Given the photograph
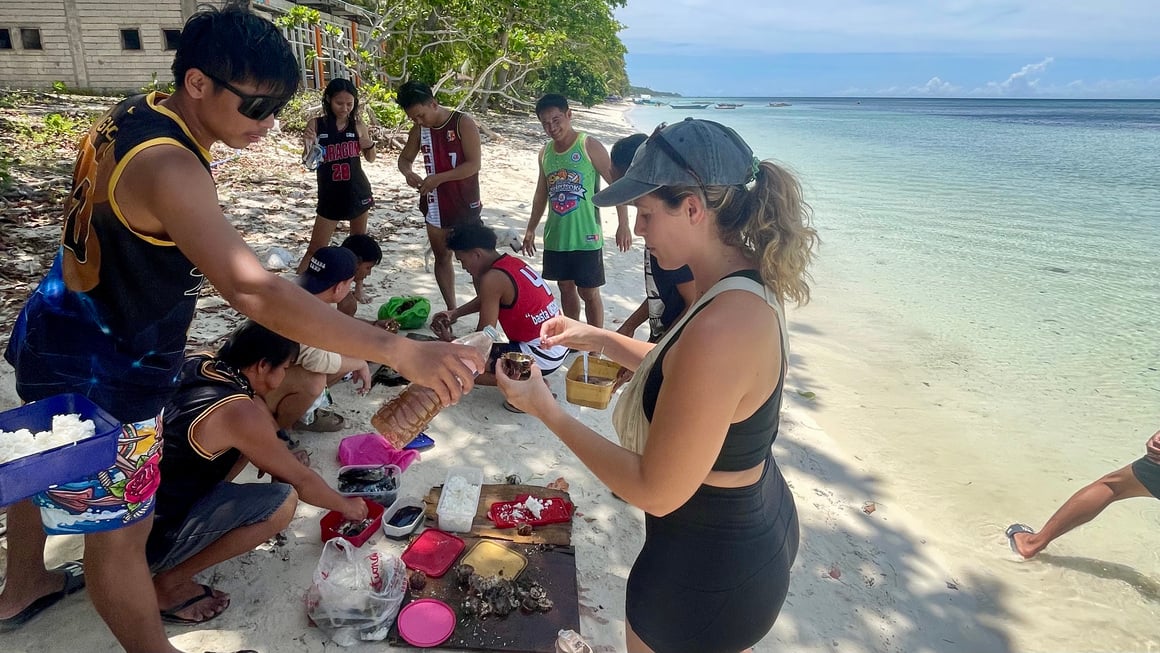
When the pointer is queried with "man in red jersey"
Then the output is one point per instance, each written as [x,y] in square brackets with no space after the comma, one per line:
[510,292]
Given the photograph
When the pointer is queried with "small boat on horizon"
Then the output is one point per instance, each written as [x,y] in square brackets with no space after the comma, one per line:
[780,104]
[728,105]
[689,105]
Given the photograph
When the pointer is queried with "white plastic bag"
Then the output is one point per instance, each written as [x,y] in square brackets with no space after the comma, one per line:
[356,592]
[278,258]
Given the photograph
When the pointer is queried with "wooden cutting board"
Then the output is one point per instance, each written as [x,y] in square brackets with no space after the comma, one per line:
[551,562]
[558,534]
[553,566]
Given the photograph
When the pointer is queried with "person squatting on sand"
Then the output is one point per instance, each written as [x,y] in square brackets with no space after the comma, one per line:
[721,529]
[571,165]
[511,294]
[216,424]
[142,230]
[369,254]
[300,401]
[344,193]
[1140,479]
[449,193]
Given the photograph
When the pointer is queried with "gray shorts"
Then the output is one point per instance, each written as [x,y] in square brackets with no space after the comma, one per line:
[1148,473]
[227,507]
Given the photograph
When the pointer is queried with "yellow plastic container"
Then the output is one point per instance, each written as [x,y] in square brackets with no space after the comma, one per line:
[494,559]
[596,392]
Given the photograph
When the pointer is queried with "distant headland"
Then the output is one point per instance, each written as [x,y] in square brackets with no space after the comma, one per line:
[644,90]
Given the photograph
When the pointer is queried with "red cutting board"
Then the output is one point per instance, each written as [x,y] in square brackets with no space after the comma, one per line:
[508,514]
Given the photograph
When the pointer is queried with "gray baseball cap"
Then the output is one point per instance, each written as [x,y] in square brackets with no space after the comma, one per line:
[687,153]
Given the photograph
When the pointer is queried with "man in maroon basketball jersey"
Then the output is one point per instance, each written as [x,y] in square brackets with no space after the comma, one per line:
[449,192]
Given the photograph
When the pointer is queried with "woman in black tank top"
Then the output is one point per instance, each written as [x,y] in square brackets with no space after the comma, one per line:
[344,193]
[697,421]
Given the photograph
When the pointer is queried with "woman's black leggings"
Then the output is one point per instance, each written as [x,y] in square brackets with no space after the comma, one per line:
[713,574]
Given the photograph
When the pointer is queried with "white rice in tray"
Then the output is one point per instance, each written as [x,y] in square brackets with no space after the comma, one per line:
[459,496]
[66,429]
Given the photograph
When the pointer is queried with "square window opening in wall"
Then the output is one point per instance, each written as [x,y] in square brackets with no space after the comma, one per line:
[131,39]
[5,39]
[30,38]
[172,38]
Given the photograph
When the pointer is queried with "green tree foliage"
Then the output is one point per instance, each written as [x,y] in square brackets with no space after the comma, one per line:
[573,78]
[481,53]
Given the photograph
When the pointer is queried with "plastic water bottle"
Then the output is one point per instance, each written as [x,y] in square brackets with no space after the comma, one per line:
[315,157]
[403,418]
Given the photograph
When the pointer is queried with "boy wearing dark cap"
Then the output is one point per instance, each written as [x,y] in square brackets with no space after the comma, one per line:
[299,401]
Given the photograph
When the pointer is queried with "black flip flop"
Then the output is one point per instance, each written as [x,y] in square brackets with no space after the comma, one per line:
[171,616]
[74,581]
[1015,529]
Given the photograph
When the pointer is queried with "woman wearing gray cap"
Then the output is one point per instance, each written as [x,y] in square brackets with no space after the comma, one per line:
[698,419]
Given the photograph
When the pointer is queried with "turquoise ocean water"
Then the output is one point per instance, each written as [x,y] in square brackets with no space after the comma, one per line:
[986,324]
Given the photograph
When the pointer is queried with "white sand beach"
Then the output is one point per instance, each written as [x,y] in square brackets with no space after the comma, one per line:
[868,577]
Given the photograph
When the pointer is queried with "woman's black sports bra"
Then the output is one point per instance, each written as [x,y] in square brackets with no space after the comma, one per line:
[747,442]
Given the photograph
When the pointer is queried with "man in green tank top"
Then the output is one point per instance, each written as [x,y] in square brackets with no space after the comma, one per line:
[570,167]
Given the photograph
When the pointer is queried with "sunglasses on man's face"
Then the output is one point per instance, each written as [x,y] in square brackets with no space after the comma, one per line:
[254,107]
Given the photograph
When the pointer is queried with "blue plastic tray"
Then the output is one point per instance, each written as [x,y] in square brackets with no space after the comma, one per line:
[421,441]
[24,477]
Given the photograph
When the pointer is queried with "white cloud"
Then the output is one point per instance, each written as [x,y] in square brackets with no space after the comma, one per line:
[934,87]
[1026,83]
[1066,27]
[937,87]
[1022,83]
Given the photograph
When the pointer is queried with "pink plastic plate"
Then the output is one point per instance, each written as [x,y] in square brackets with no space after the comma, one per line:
[426,622]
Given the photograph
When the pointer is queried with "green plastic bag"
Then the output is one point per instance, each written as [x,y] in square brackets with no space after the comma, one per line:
[409,311]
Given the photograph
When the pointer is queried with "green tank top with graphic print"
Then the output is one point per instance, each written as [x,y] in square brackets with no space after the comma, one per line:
[573,220]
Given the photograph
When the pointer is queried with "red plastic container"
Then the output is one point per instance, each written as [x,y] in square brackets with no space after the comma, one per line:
[333,519]
[433,552]
[24,477]
[507,514]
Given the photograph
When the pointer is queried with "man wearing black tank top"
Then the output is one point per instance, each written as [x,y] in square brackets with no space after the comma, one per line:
[142,229]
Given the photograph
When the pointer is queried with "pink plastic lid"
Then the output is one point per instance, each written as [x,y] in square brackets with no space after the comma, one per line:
[426,622]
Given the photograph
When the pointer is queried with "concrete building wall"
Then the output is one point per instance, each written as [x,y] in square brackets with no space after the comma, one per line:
[23,67]
[82,43]
[108,64]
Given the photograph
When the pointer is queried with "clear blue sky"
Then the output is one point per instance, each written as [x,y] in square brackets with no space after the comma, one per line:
[919,48]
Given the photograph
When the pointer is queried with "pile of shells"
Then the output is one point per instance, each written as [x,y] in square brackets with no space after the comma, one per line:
[487,595]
